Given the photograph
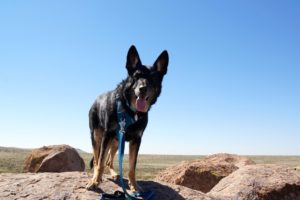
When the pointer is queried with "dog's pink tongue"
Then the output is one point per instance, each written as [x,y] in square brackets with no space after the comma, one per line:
[141,104]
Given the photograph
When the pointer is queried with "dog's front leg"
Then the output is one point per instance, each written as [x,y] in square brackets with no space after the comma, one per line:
[110,159]
[134,146]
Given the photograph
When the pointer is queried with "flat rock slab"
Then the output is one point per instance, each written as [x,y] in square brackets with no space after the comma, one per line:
[260,182]
[71,185]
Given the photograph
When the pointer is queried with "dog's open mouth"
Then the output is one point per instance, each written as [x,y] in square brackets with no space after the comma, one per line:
[141,104]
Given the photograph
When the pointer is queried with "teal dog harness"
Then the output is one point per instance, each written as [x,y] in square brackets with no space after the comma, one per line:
[124,121]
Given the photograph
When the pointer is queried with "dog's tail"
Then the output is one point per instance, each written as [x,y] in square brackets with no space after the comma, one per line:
[92,163]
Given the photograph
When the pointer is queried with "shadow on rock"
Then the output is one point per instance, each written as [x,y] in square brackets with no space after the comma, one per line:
[160,190]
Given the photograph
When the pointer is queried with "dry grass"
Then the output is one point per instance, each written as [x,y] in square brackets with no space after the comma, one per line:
[11,160]
[148,165]
[292,161]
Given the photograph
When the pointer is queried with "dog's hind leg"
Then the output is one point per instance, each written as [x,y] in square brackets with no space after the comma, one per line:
[99,168]
[110,159]
[97,135]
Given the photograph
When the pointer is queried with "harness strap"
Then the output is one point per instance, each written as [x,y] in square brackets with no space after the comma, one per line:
[121,147]
[124,120]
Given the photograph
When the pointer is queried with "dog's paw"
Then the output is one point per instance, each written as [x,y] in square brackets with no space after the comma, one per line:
[92,185]
[116,177]
[135,188]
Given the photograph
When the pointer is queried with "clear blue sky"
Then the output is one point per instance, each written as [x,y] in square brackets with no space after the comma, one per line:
[233,83]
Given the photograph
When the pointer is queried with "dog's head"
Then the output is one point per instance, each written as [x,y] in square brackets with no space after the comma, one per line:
[143,85]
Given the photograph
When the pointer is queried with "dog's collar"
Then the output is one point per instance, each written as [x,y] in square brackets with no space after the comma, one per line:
[131,108]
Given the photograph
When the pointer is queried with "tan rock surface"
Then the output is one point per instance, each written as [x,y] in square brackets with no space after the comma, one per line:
[203,174]
[56,158]
[71,185]
[260,182]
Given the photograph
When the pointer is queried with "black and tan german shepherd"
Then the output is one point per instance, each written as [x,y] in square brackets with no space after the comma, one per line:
[137,93]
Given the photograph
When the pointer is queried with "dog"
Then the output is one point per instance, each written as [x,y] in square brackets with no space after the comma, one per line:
[137,93]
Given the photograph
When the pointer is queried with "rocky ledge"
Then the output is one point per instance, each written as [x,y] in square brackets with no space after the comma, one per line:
[203,174]
[217,177]
[252,182]
[266,182]
[71,185]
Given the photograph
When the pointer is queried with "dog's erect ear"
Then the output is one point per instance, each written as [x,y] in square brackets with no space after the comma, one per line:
[161,64]
[133,60]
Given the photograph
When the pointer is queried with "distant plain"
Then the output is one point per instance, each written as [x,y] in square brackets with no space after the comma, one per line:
[11,161]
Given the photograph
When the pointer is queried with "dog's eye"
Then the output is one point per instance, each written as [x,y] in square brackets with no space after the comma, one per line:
[135,76]
[155,77]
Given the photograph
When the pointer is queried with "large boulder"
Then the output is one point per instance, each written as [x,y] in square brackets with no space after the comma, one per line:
[71,185]
[260,182]
[203,174]
[56,158]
